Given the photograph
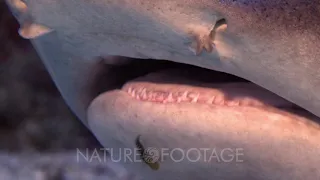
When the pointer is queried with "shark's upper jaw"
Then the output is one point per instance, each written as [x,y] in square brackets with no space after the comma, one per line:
[271,43]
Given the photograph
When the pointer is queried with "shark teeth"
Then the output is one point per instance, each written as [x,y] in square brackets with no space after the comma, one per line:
[194,97]
[144,94]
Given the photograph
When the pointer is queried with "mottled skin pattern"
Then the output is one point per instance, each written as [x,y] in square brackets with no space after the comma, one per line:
[274,44]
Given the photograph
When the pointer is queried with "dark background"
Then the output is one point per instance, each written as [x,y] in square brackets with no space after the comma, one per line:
[33,116]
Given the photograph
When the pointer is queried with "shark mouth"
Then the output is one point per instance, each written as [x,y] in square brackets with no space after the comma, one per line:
[177,105]
[167,82]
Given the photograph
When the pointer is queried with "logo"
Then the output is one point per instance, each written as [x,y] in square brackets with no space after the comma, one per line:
[151,155]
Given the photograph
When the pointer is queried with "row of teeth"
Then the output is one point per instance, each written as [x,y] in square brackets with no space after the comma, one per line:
[185,96]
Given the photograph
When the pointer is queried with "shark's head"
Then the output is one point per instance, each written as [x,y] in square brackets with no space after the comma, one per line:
[183,74]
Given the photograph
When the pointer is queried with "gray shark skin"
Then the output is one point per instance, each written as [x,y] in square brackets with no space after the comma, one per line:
[274,44]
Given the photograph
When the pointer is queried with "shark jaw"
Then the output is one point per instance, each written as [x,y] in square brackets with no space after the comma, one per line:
[181,106]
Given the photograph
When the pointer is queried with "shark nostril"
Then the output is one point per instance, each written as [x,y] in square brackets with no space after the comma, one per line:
[220,25]
[204,39]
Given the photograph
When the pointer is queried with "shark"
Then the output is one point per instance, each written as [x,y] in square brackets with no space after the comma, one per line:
[210,89]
